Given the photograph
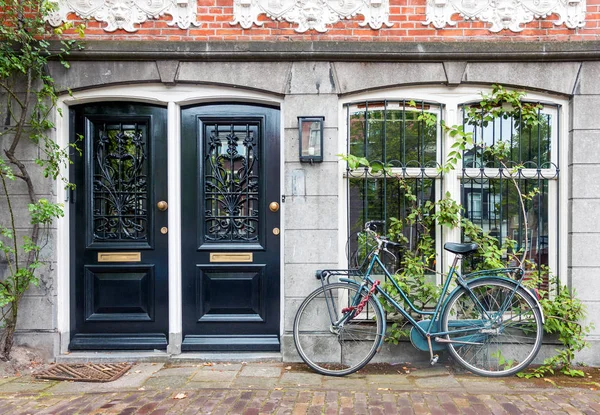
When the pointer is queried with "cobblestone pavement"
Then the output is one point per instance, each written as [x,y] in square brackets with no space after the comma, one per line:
[274,388]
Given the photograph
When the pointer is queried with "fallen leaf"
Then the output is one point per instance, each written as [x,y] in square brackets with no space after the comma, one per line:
[138,371]
[180,396]
[207,364]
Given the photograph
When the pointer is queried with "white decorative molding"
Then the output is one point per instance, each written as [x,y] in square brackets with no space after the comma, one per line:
[312,14]
[125,14]
[506,14]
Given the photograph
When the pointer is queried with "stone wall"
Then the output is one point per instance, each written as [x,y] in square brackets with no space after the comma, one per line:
[309,86]
[36,324]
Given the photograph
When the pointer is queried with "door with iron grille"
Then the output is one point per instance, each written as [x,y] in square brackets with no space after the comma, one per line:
[118,253]
[230,227]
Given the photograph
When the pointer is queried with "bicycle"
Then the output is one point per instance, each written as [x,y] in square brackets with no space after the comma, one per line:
[490,323]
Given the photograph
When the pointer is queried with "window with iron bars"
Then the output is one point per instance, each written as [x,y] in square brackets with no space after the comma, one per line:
[388,132]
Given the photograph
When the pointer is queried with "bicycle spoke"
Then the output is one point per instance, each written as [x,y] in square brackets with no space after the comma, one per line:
[509,339]
[335,349]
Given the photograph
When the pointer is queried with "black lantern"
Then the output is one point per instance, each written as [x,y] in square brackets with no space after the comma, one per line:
[310,132]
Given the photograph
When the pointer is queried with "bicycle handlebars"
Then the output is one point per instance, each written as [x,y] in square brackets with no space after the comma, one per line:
[371,227]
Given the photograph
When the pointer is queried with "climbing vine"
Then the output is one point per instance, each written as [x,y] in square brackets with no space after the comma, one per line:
[27,108]
[564,312]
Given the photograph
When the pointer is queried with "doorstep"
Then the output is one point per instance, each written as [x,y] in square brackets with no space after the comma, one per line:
[159,356]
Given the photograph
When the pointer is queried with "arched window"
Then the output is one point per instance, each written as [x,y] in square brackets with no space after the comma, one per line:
[392,132]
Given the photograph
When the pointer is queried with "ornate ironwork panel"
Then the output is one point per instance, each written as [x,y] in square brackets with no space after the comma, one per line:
[231,182]
[119,183]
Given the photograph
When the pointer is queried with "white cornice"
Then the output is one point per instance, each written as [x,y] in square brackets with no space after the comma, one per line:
[126,14]
[311,14]
[505,14]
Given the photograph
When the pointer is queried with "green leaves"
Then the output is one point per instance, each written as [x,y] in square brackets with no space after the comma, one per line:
[43,212]
[355,162]
[29,108]
[564,316]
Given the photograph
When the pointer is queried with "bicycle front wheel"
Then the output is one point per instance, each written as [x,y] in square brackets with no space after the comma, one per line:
[495,331]
[332,340]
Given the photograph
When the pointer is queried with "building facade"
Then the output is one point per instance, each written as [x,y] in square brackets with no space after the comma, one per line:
[194,225]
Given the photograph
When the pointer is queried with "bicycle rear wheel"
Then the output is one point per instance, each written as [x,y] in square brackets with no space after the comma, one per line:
[495,332]
[331,341]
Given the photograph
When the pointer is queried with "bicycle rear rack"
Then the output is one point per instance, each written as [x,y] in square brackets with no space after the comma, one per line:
[325,274]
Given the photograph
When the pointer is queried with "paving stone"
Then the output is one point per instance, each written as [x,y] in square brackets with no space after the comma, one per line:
[164,382]
[481,385]
[207,385]
[261,371]
[438,382]
[214,376]
[224,366]
[20,387]
[255,382]
[6,380]
[388,381]
[185,371]
[434,392]
[300,379]
[429,371]
[345,383]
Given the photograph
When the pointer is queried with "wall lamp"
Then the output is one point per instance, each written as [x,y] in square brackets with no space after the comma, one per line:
[310,133]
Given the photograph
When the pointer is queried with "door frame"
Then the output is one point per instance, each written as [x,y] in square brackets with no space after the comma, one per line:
[173,98]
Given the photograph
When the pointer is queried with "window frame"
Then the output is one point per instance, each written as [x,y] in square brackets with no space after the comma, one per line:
[450,101]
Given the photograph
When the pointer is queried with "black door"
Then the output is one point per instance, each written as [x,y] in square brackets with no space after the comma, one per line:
[230,227]
[118,252]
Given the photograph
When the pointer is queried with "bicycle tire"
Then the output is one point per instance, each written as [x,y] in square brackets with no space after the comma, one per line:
[501,346]
[337,350]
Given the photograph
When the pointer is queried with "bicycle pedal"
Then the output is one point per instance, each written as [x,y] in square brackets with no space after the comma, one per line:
[434,360]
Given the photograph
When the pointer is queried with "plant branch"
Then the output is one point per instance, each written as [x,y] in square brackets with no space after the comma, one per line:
[12,221]
[12,94]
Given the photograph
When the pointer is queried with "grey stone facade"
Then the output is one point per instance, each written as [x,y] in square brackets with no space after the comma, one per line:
[311,79]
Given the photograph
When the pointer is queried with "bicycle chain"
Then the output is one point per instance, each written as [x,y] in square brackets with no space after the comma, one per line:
[363,302]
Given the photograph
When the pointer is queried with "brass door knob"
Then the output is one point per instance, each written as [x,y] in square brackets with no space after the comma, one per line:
[274,206]
[162,205]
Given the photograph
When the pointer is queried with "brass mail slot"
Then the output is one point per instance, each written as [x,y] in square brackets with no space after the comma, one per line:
[119,256]
[231,257]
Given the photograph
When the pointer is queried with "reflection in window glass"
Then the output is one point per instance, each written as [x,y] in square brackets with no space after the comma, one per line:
[489,197]
[390,132]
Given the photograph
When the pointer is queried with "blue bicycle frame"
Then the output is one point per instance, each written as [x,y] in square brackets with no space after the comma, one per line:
[437,312]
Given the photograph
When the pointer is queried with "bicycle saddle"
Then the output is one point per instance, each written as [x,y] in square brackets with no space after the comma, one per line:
[462,249]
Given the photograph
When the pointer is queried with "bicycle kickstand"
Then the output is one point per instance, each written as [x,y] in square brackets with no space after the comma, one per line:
[434,358]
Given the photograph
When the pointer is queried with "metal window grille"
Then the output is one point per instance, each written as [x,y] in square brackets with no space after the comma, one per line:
[489,197]
[388,132]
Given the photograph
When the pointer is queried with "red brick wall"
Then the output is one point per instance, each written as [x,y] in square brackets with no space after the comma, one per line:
[407,17]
